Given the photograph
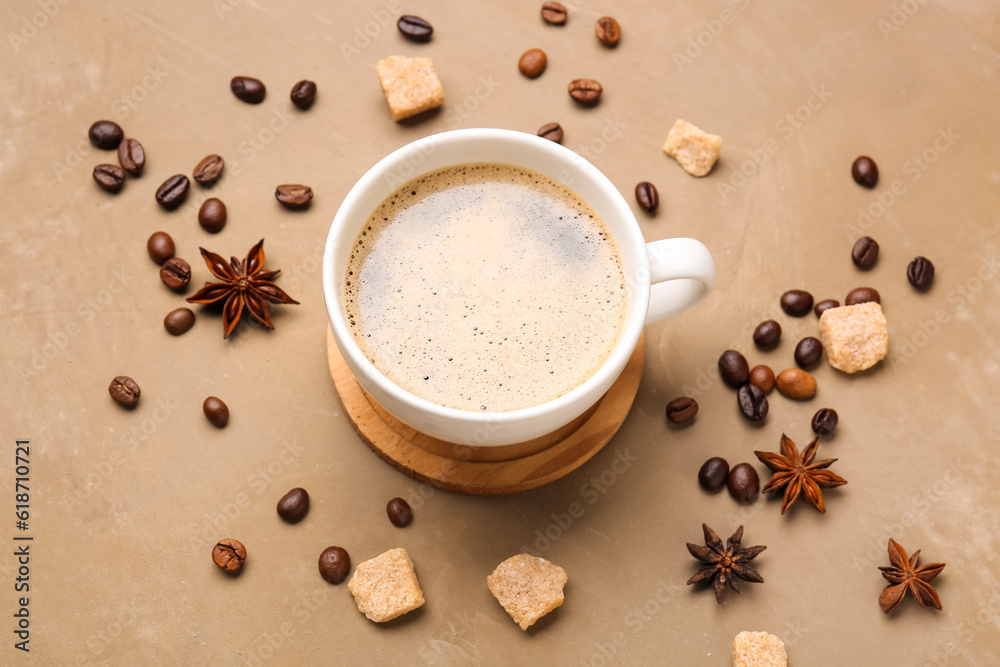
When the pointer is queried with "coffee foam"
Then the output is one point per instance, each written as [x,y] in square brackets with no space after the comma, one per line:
[485,287]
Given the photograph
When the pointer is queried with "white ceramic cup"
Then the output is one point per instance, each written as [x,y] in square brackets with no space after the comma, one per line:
[664,278]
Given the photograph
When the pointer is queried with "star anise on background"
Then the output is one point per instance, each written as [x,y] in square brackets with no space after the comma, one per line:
[904,575]
[724,564]
[245,285]
[798,474]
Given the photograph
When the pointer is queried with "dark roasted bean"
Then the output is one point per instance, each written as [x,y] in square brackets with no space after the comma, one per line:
[106,134]
[862,295]
[713,474]
[796,302]
[303,94]
[124,390]
[825,304]
[399,512]
[174,190]
[294,196]
[647,197]
[752,402]
[216,411]
[131,156]
[248,89]
[920,273]
[824,421]
[681,410]
[743,483]
[334,564]
[808,352]
[415,28]
[767,334]
[294,505]
[733,368]
[111,177]
[176,274]
[179,321]
[212,215]
[160,247]
[865,252]
[551,131]
[209,169]
[865,171]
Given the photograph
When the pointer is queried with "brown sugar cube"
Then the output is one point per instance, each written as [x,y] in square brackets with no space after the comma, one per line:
[694,149]
[527,587]
[386,586]
[854,337]
[411,85]
[758,649]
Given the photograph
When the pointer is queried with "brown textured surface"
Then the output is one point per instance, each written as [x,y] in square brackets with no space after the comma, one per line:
[124,503]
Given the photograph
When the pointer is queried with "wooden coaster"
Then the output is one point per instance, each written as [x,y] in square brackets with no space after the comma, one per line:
[485,470]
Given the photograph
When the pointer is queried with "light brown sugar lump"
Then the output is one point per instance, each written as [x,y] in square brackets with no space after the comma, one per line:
[410,85]
[693,148]
[854,338]
[386,586]
[758,649]
[527,587]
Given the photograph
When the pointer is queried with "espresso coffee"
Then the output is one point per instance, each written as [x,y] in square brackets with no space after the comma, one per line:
[485,287]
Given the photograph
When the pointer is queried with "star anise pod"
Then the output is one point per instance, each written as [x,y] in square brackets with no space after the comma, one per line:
[725,564]
[798,474]
[904,575]
[245,285]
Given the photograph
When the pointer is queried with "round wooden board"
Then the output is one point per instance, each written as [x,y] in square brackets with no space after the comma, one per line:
[394,441]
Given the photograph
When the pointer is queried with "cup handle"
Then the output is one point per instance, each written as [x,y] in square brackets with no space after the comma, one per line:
[681,274]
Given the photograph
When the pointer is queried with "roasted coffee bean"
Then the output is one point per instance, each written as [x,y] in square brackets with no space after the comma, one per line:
[767,334]
[179,321]
[808,352]
[865,171]
[551,131]
[607,30]
[824,421]
[733,368]
[585,91]
[865,252]
[532,63]
[106,134]
[795,383]
[216,410]
[554,13]
[209,169]
[229,554]
[862,295]
[160,247]
[415,28]
[124,390]
[713,474]
[796,302]
[334,564]
[248,89]
[294,505]
[399,512]
[681,410]
[294,196]
[212,215]
[743,483]
[303,94]
[175,274]
[762,377]
[825,304]
[171,194]
[647,196]
[110,177]
[920,273]
[752,402]
[131,156]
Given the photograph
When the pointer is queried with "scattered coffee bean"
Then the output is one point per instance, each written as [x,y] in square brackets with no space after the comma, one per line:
[216,411]
[175,274]
[825,304]
[862,295]
[795,383]
[294,196]
[865,252]
[294,505]
[248,89]
[762,377]
[532,63]
[920,273]
[681,410]
[767,334]
[743,483]
[124,390]
[334,564]
[647,196]
[733,368]
[110,177]
[106,134]
[552,132]
[585,91]
[796,302]
[160,247]
[229,554]
[415,28]
[824,421]
[212,215]
[865,171]
[131,156]
[808,352]
[399,512]
[713,474]
[208,170]
[607,30]
[752,402]
[171,194]
[303,94]
[179,321]
[554,13]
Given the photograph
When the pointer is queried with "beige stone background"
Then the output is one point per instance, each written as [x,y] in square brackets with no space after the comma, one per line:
[125,505]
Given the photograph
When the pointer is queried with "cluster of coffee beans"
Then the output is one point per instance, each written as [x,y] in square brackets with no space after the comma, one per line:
[108,135]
